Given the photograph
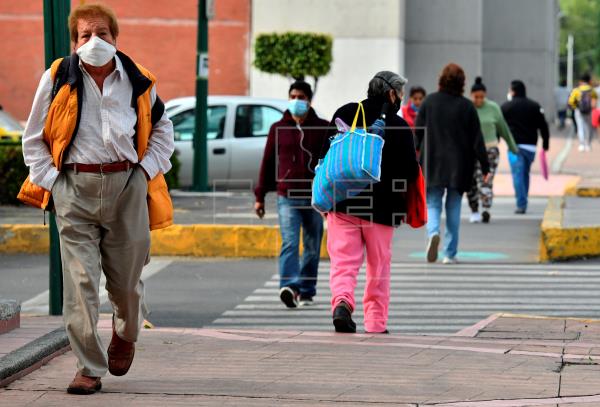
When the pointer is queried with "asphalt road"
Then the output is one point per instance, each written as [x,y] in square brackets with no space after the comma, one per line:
[498,273]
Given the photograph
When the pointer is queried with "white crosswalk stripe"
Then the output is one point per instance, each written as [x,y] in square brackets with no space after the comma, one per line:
[436,299]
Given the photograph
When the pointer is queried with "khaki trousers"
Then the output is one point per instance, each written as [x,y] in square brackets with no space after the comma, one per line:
[102,221]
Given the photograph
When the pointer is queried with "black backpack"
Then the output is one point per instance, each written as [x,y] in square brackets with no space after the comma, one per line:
[585,102]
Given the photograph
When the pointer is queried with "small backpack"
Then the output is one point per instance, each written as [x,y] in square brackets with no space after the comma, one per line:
[585,102]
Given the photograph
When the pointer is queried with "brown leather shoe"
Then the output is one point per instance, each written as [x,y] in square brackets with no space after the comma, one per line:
[120,355]
[84,384]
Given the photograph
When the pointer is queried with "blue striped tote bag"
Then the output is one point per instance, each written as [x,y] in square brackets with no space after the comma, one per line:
[351,164]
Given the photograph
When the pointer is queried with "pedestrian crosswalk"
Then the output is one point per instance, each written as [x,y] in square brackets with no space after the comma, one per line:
[436,299]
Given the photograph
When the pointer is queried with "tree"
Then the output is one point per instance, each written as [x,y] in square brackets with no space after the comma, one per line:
[294,55]
[580,18]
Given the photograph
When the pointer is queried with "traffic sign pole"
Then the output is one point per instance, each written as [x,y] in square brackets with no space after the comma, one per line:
[200,176]
[56,45]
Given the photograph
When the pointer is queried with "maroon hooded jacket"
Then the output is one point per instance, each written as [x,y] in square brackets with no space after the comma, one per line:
[291,155]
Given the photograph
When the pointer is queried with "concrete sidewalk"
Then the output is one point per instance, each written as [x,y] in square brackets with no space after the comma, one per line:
[223,224]
[503,361]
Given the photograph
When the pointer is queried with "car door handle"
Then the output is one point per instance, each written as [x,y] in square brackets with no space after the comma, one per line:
[219,151]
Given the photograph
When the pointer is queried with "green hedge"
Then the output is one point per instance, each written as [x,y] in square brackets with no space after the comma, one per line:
[294,54]
[13,172]
[172,177]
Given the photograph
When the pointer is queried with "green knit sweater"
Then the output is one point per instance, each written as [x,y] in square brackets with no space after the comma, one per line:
[493,126]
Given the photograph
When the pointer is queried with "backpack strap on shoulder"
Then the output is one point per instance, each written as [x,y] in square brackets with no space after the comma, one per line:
[157,111]
[60,74]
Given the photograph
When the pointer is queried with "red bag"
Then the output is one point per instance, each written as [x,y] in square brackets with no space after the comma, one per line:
[596,118]
[416,202]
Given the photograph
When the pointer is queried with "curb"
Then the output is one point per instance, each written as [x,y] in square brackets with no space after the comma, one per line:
[32,356]
[586,187]
[239,241]
[561,243]
[10,315]
[473,330]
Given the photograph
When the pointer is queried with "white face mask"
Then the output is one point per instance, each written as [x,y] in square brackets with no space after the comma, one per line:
[96,52]
[509,96]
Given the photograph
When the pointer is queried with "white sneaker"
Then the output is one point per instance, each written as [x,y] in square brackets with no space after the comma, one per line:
[306,302]
[588,148]
[581,148]
[475,217]
[432,248]
[450,260]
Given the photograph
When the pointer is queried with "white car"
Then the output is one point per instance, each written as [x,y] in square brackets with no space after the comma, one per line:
[237,133]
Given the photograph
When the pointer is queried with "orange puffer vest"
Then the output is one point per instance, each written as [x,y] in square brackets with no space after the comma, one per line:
[62,123]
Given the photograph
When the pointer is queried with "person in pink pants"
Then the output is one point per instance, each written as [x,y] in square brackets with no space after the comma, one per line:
[349,237]
[363,225]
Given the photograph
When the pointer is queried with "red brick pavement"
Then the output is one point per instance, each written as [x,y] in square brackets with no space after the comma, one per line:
[32,327]
[510,362]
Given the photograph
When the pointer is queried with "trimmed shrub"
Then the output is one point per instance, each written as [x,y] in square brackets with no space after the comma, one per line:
[295,55]
[12,172]
[172,177]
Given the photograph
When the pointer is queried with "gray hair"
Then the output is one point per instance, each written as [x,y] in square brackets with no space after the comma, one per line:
[383,82]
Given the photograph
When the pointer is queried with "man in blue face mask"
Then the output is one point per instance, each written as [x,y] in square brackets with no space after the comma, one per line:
[288,167]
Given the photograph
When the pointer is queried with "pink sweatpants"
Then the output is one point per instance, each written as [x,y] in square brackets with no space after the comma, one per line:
[347,238]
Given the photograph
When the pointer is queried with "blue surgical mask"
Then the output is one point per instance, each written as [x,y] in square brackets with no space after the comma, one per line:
[298,107]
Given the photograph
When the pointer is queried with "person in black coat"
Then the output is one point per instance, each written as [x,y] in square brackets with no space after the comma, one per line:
[366,222]
[525,117]
[449,139]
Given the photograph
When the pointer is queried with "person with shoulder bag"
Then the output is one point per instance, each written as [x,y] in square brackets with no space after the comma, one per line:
[363,221]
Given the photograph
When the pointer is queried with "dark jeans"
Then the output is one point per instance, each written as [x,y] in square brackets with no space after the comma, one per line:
[520,166]
[562,117]
[301,275]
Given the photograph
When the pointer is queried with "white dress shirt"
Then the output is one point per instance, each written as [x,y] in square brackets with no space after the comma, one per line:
[105,133]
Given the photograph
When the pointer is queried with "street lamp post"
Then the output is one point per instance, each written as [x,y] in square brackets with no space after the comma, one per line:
[56,45]
[200,176]
[570,44]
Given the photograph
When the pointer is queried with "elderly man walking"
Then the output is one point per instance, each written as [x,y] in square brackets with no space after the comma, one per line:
[97,144]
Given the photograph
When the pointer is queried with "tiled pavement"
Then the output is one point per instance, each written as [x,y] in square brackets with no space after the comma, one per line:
[510,362]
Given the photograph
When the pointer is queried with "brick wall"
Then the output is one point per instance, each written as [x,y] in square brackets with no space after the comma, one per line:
[158,34]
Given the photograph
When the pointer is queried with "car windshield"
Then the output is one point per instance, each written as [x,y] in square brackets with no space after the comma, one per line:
[8,123]
[169,110]
[184,123]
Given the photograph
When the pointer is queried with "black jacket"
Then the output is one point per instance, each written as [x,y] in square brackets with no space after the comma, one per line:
[525,117]
[448,135]
[385,203]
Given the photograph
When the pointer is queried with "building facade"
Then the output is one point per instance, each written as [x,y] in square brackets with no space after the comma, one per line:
[500,40]
[160,35]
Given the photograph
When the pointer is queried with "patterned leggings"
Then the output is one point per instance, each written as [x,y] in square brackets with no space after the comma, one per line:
[484,190]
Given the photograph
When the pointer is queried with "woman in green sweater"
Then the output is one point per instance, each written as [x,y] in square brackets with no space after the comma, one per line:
[493,126]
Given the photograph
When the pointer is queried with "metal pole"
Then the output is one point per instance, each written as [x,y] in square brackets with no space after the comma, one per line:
[200,176]
[56,45]
[570,61]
